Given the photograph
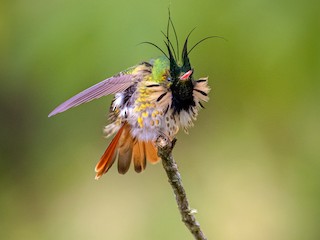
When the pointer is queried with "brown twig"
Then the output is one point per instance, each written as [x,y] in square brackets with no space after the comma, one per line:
[174,178]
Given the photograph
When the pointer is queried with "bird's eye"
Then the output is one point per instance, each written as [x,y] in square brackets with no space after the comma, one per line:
[169,79]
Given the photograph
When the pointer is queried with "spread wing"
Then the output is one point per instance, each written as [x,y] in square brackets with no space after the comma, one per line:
[108,86]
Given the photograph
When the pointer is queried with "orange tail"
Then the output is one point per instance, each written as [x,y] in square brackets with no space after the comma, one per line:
[126,148]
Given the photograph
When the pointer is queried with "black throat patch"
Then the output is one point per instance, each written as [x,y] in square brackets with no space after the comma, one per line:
[182,96]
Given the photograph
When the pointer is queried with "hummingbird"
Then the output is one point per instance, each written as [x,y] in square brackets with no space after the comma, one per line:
[153,99]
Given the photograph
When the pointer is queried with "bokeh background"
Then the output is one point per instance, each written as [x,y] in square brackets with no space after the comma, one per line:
[250,166]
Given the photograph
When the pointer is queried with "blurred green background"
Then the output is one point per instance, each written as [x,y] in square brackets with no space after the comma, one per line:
[250,166]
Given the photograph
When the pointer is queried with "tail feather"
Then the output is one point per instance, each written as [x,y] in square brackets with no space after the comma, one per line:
[139,156]
[109,156]
[125,150]
[151,152]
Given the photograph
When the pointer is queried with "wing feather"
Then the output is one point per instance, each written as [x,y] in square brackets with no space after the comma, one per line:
[108,86]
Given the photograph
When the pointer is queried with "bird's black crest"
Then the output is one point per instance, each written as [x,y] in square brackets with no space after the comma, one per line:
[184,66]
[177,66]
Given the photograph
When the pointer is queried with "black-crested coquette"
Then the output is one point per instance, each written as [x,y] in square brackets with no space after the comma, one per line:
[152,99]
